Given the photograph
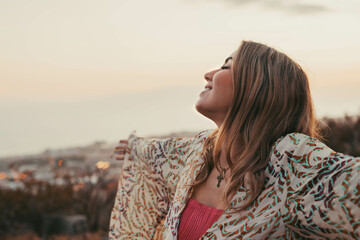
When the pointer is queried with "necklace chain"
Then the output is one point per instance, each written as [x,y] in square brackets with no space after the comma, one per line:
[221,174]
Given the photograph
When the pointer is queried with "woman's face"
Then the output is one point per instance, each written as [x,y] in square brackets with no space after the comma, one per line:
[215,100]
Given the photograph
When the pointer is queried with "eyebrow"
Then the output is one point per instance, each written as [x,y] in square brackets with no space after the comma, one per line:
[229,58]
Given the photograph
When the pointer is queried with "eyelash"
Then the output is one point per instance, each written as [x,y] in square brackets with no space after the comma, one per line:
[224,67]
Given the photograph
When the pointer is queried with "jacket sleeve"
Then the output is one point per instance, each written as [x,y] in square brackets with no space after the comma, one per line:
[147,185]
[321,190]
[163,157]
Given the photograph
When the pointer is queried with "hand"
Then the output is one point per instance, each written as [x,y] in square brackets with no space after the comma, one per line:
[121,149]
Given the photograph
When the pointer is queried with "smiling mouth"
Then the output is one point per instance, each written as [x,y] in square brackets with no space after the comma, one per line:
[207,89]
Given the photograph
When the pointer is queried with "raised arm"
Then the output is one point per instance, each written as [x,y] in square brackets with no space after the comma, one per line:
[164,157]
[322,190]
[147,184]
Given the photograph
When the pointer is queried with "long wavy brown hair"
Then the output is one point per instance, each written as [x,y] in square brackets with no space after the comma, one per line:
[271,99]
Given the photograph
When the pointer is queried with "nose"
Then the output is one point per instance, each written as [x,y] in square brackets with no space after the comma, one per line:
[208,76]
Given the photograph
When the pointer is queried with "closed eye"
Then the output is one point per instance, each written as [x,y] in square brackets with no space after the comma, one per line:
[225,67]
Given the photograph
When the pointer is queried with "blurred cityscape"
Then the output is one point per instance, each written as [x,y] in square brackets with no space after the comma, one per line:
[69,193]
[54,165]
[65,192]
[60,194]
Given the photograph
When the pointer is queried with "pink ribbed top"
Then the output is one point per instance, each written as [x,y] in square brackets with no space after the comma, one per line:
[196,219]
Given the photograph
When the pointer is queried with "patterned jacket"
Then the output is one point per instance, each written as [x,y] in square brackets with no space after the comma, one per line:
[310,192]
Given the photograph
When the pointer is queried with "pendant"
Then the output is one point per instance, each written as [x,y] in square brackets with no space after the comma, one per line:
[220,178]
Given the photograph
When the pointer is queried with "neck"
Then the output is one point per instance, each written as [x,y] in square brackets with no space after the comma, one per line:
[222,158]
[218,119]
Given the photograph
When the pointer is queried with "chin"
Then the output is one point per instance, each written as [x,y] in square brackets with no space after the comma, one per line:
[198,106]
[202,109]
[209,112]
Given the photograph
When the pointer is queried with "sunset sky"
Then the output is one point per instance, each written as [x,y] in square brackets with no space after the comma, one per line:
[72,72]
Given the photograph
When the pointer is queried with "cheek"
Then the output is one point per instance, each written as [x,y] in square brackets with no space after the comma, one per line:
[225,98]
[227,93]
[219,98]
[224,89]
[229,89]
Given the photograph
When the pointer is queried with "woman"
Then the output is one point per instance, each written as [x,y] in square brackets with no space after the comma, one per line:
[260,175]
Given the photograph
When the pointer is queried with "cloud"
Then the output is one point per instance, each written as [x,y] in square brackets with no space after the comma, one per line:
[307,8]
[295,7]
[287,6]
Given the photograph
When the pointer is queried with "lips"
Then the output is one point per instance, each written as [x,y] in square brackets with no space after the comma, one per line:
[207,89]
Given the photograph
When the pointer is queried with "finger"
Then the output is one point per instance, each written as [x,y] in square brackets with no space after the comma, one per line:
[120,151]
[120,155]
[121,147]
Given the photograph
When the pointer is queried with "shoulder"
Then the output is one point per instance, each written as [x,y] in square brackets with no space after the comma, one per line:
[297,151]
[298,143]
[204,134]
[200,138]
